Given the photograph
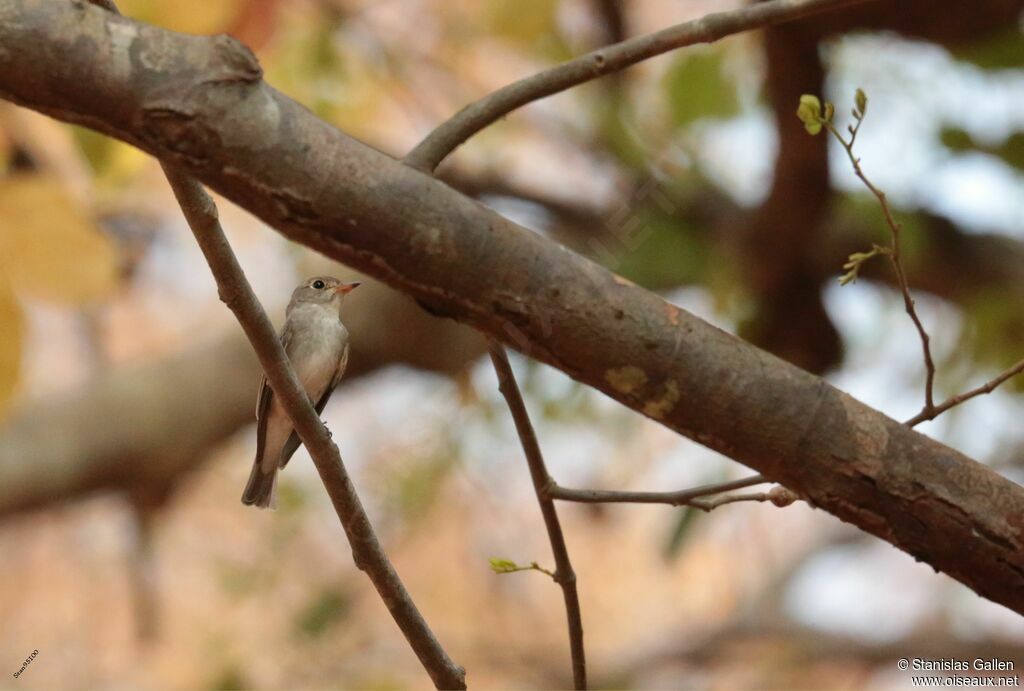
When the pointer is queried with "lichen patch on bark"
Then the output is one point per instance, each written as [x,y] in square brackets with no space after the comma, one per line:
[627,379]
[659,407]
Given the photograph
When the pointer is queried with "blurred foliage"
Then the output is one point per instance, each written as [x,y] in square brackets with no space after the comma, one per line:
[231,678]
[50,246]
[186,16]
[529,24]
[667,252]
[414,485]
[698,86]
[240,579]
[324,610]
[12,326]
[1003,51]
[292,496]
[1010,151]
[680,531]
[616,126]
[344,84]
[50,249]
[307,63]
[113,162]
[994,333]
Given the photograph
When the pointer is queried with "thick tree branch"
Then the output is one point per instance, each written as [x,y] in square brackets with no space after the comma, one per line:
[708,29]
[150,424]
[564,574]
[201,102]
[132,426]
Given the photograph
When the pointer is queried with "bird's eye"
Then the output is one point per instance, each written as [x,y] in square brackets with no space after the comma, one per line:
[318,284]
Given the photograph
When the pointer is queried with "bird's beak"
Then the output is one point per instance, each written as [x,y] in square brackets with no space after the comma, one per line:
[345,288]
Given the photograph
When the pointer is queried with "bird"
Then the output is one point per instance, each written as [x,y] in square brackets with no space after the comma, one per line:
[316,342]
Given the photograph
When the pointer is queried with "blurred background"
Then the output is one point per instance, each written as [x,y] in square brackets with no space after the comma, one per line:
[127,392]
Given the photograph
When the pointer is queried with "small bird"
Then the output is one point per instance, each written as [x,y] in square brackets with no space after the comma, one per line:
[316,343]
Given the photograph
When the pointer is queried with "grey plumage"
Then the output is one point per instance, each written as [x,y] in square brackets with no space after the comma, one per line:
[316,343]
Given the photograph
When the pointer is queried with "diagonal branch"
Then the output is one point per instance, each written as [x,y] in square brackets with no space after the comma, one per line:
[201,103]
[932,412]
[564,574]
[200,212]
[234,289]
[708,29]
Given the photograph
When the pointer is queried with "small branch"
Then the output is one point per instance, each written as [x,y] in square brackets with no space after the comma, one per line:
[779,496]
[506,566]
[201,214]
[953,401]
[814,119]
[893,251]
[564,575]
[479,114]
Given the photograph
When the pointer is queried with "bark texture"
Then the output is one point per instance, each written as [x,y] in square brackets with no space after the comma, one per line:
[201,102]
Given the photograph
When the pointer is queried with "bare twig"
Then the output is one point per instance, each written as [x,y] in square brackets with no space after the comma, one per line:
[564,574]
[479,114]
[685,497]
[780,496]
[953,401]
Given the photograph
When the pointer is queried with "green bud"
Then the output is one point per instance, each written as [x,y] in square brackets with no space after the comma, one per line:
[861,99]
[503,565]
[830,110]
[809,113]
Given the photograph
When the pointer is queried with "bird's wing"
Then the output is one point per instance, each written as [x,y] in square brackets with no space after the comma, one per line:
[293,440]
[263,401]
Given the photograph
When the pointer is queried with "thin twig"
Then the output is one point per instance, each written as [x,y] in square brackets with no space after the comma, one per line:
[930,411]
[684,497]
[712,27]
[952,401]
[505,566]
[715,502]
[896,258]
[564,574]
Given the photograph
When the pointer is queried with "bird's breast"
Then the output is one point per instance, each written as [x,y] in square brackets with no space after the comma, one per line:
[317,345]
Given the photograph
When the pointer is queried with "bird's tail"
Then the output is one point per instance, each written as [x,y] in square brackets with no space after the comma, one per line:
[259,491]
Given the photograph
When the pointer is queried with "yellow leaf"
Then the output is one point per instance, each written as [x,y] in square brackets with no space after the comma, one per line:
[49,247]
[12,326]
